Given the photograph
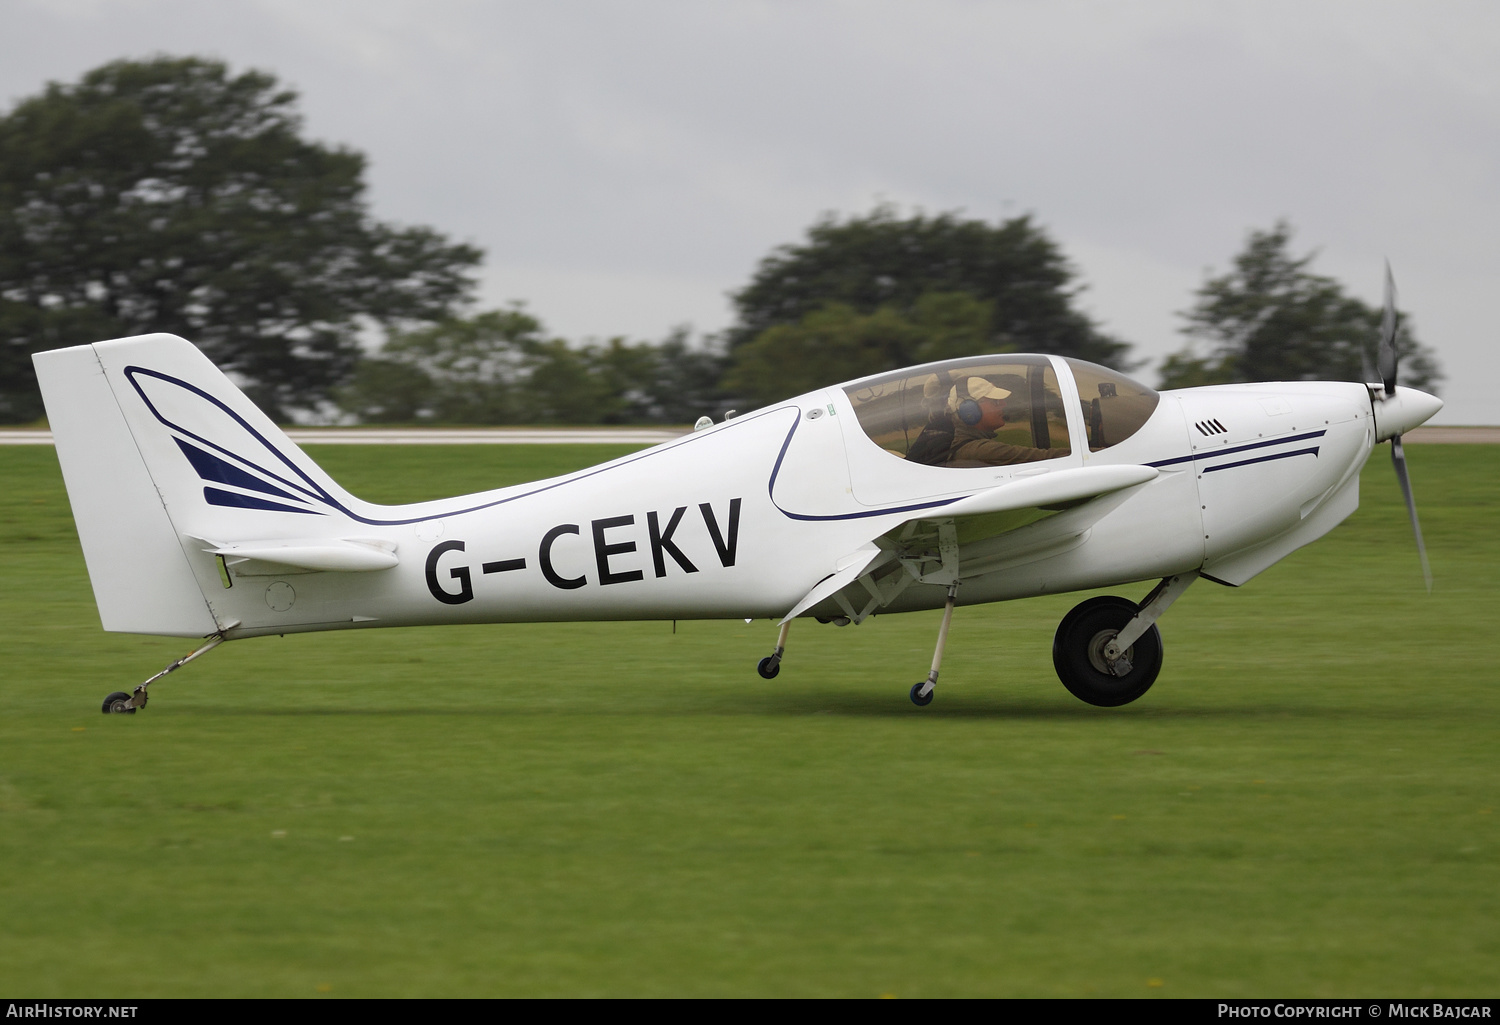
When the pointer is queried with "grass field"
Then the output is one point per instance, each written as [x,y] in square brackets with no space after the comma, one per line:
[1306,804]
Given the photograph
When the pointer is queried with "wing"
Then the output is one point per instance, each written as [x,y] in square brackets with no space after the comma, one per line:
[1025,519]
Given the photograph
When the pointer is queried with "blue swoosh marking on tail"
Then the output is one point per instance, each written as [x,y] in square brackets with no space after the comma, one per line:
[211,468]
[234,500]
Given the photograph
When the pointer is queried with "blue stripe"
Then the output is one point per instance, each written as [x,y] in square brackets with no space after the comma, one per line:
[775,470]
[1262,459]
[311,491]
[1239,448]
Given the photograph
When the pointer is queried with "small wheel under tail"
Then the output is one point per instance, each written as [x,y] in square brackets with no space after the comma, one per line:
[118,703]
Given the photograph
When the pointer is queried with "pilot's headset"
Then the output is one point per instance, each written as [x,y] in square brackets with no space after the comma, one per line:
[964,399]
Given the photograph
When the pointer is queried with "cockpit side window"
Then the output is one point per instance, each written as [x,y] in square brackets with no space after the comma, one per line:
[1114,406]
[989,412]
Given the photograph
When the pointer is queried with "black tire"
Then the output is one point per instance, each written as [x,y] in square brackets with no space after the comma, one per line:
[767,668]
[116,703]
[1077,653]
[916,695]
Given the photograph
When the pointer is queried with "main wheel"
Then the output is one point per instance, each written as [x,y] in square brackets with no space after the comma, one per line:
[767,668]
[1078,653]
[119,701]
[917,697]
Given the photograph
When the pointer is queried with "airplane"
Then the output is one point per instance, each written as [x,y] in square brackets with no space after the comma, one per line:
[966,481]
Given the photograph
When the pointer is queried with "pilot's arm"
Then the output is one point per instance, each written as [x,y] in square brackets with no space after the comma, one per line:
[982,412]
[978,449]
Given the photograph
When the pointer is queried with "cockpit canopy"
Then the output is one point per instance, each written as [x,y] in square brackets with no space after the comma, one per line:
[1114,406]
[995,410]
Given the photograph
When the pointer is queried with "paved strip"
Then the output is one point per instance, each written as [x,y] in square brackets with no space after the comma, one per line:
[473,436]
[484,436]
[1454,435]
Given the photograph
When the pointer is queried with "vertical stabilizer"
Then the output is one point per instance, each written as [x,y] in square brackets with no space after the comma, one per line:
[166,463]
[141,577]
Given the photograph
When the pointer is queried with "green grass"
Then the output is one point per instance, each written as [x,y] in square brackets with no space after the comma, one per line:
[1306,804]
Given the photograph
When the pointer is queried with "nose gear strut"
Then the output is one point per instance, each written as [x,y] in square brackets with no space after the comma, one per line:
[1156,603]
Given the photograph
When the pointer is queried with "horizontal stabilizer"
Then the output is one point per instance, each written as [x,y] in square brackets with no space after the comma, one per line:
[335,555]
[1055,488]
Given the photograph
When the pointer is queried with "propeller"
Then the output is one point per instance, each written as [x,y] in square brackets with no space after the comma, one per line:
[1388,359]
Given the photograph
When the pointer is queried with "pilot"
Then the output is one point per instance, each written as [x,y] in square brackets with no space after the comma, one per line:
[978,408]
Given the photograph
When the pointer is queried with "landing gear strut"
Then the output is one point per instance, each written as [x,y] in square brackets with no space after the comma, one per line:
[771,664]
[129,704]
[921,693]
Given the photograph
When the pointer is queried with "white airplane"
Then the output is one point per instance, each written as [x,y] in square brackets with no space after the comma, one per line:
[961,482]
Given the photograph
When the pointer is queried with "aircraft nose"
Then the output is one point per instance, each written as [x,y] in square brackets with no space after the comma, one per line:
[1399,413]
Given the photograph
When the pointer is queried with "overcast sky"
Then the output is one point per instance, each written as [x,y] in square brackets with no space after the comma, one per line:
[626,164]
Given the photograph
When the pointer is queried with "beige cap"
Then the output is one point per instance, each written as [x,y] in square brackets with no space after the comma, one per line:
[978,388]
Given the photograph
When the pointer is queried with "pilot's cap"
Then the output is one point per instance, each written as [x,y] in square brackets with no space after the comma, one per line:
[979,388]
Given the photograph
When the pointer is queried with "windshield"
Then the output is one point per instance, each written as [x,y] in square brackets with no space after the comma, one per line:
[990,411]
[1114,406]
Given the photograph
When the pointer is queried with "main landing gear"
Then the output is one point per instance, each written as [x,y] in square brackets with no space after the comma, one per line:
[921,693]
[128,704]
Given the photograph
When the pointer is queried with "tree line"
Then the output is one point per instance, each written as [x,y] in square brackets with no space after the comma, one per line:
[172,195]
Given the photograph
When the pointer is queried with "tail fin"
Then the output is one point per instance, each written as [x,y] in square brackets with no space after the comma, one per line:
[160,451]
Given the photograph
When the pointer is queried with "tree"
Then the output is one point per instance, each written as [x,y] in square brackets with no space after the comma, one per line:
[500,367]
[461,370]
[169,195]
[882,262]
[672,382]
[1272,319]
[836,342]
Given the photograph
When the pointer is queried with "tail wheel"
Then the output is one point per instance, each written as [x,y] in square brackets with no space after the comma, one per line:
[1078,653]
[118,702]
